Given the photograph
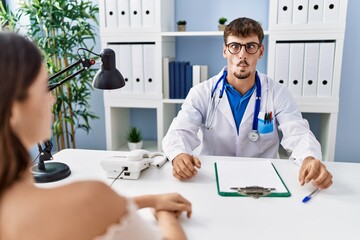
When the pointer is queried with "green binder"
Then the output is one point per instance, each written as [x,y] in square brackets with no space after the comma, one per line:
[249,178]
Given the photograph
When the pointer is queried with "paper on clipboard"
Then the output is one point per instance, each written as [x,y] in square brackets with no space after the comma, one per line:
[243,174]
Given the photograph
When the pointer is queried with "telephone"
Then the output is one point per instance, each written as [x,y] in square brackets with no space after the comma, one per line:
[132,163]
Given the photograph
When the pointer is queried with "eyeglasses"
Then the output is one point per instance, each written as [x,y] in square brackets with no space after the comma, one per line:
[235,48]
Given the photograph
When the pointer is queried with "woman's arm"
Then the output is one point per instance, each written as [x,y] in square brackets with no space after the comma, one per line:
[170,225]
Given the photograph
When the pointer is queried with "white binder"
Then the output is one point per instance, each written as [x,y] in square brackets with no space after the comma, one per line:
[285,8]
[331,11]
[137,68]
[149,69]
[282,63]
[311,63]
[148,14]
[196,74]
[123,64]
[123,13]
[300,11]
[135,13]
[204,75]
[296,68]
[110,13]
[316,9]
[326,68]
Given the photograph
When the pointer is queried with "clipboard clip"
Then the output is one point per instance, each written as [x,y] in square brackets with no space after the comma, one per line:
[253,191]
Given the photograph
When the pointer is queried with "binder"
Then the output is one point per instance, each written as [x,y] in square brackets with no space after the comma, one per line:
[188,78]
[196,74]
[233,175]
[137,68]
[285,9]
[204,73]
[316,9]
[182,84]
[148,14]
[282,63]
[300,11]
[166,77]
[110,13]
[135,13]
[123,13]
[311,63]
[149,69]
[172,79]
[123,63]
[296,67]
[331,11]
[326,68]
[177,80]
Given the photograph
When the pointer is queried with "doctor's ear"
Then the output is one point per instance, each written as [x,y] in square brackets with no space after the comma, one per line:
[224,50]
[261,50]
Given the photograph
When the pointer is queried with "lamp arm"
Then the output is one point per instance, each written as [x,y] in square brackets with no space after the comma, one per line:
[87,63]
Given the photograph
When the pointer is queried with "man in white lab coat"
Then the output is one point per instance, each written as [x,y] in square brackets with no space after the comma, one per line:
[233,122]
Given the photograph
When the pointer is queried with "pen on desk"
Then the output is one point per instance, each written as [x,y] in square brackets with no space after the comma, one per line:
[307,198]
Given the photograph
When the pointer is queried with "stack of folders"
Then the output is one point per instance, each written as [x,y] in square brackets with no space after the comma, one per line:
[129,13]
[179,77]
[136,62]
[308,11]
[305,67]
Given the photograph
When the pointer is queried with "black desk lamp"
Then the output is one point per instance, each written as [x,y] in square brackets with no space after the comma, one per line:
[108,77]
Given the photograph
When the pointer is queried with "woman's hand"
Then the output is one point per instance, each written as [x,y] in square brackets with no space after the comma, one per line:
[172,202]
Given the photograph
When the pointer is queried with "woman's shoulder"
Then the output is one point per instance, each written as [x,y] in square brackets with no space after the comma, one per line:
[82,209]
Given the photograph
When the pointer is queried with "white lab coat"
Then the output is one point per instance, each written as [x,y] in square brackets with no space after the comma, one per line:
[223,139]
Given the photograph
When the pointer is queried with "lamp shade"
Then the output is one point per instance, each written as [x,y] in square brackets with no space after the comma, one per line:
[108,77]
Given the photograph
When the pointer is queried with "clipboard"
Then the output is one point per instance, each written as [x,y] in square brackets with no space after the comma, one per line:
[249,178]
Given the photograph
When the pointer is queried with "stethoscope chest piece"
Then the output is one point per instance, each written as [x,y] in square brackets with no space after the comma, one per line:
[253,136]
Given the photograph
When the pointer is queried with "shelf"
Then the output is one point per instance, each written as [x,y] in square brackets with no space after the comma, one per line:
[318,104]
[147,145]
[173,101]
[197,34]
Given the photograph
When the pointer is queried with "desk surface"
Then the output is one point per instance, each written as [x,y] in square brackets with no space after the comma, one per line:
[332,214]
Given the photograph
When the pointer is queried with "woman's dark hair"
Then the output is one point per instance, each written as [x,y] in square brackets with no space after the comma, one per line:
[244,27]
[20,64]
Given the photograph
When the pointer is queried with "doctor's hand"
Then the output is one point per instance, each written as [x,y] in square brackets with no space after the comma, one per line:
[185,166]
[314,170]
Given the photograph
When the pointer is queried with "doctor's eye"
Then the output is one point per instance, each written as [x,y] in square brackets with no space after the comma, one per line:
[234,47]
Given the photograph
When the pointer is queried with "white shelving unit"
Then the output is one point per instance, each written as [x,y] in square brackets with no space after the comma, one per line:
[162,35]
[331,30]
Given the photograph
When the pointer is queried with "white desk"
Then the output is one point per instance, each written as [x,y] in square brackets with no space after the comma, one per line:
[331,214]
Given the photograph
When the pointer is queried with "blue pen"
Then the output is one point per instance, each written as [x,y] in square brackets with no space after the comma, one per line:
[307,198]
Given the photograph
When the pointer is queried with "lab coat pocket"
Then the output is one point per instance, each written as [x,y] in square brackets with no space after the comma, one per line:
[264,128]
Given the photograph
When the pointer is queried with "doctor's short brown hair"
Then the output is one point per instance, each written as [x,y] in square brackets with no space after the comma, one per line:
[244,27]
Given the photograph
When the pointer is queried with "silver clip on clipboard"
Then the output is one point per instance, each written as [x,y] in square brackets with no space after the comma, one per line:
[253,191]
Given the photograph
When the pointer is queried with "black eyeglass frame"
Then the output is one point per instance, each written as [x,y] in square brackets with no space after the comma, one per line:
[243,45]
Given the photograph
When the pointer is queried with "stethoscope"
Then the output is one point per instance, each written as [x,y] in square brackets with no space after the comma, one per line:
[214,102]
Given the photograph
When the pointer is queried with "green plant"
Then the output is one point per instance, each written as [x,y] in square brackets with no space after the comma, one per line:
[134,135]
[181,22]
[59,28]
[222,20]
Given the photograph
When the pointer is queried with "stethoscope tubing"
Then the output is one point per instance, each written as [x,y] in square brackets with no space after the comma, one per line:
[257,100]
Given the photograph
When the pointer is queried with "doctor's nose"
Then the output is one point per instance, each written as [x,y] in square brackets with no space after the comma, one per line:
[242,54]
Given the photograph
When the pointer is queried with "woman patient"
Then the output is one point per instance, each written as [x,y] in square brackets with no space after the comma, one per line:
[81,210]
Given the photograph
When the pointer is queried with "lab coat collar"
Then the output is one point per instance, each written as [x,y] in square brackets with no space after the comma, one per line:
[224,106]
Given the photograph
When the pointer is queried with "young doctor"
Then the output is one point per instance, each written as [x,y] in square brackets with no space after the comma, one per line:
[239,112]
